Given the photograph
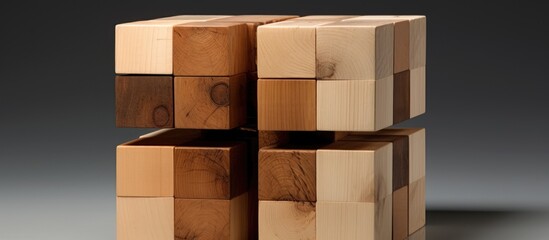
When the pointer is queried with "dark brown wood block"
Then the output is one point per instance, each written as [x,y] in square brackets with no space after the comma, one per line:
[210,170]
[400,214]
[144,101]
[401,97]
[287,174]
[210,102]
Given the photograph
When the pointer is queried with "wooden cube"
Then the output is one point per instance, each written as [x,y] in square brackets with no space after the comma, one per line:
[400,213]
[212,218]
[416,205]
[354,105]
[210,170]
[210,102]
[286,105]
[287,220]
[354,171]
[417,91]
[354,50]
[144,218]
[210,48]
[144,101]
[192,17]
[324,18]
[418,235]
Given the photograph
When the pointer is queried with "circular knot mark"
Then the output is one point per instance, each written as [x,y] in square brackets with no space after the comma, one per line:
[161,116]
[219,94]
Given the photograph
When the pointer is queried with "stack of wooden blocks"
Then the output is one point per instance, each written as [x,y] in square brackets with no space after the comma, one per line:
[273,127]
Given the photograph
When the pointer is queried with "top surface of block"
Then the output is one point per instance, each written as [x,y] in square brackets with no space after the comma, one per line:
[192,17]
[263,19]
[356,146]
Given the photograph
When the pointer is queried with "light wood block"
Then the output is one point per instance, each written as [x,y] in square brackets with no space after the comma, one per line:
[416,205]
[145,47]
[287,220]
[144,101]
[286,105]
[417,91]
[287,174]
[287,49]
[400,214]
[210,48]
[354,172]
[354,220]
[192,17]
[354,50]
[323,18]
[210,102]
[211,219]
[210,170]
[144,218]
[354,105]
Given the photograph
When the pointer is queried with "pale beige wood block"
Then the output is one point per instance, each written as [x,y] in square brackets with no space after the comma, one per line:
[416,205]
[355,50]
[417,91]
[287,49]
[286,220]
[193,17]
[144,218]
[417,155]
[354,171]
[354,105]
[354,220]
[324,17]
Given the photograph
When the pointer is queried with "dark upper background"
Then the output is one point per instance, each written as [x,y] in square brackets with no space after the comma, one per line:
[487,105]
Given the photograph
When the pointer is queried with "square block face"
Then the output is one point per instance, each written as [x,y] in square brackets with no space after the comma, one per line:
[417,155]
[401,97]
[401,50]
[354,172]
[210,102]
[287,174]
[354,105]
[416,203]
[144,101]
[417,91]
[418,41]
[355,50]
[353,220]
[144,218]
[210,49]
[287,220]
[206,171]
[400,214]
[286,105]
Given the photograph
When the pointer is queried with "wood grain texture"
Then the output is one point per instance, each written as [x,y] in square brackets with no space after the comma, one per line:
[144,101]
[210,170]
[401,48]
[400,214]
[354,105]
[354,171]
[417,92]
[210,102]
[286,105]
[210,48]
[144,218]
[287,220]
[209,219]
[287,49]
[416,205]
[354,220]
[401,97]
[355,50]
[287,174]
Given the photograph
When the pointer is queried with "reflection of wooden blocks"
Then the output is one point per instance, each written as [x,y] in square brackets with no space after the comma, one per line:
[212,218]
[210,102]
[210,49]
[354,105]
[144,101]
[288,104]
[287,220]
[144,218]
[210,170]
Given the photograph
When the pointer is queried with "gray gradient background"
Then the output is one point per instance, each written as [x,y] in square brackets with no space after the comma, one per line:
[486,122]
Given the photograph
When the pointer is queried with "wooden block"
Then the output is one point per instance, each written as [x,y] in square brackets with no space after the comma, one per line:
[323,18]
[354,171]
[401,97]
[144,218]
[287,49]
[400,214]
[144,167]
[419,235]
[354,50]
[287,220]
[144,101]
[416,205]
[210,102]
[210,170]
[286,105]
[210,49]
[354,220]
[354,105]
[211,219]
[145,47]
[417,91]
[287,174]
[192,17]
